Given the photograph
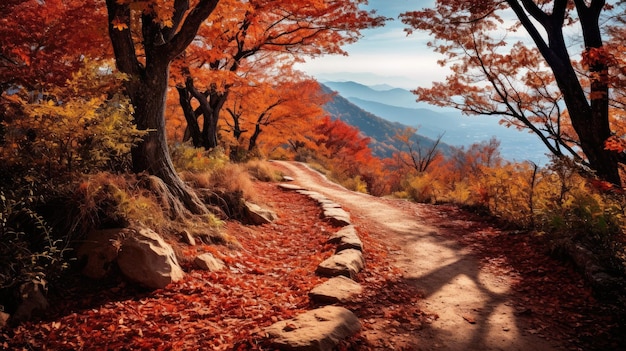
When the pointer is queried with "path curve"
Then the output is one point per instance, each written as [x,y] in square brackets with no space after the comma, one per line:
[474,307]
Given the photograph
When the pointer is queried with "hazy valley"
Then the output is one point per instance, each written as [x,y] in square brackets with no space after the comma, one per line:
[398,106]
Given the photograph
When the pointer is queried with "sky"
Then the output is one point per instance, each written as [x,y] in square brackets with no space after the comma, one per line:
[384,55]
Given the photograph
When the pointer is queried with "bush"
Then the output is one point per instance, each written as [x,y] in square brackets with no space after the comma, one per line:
[86,126]
[28,251]
[188,158]
[263,171]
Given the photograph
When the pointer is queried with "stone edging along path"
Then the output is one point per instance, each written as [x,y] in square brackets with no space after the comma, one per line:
[321,329]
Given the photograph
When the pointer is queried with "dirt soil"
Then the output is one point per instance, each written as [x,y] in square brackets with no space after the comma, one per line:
[436,278]
[483,287]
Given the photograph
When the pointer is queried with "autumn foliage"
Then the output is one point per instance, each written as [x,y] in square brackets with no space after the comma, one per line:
[82,108]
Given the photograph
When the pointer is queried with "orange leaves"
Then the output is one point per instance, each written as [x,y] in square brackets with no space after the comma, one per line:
[615,143]
[45,41]
[119,24]
[597,56]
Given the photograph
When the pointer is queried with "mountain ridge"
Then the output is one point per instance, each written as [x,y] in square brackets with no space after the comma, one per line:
[398,105]
[381,131]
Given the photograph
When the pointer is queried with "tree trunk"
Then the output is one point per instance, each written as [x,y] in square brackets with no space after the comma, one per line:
[210,106]
[589,117]
[147,87]
[151,154]
[193,129]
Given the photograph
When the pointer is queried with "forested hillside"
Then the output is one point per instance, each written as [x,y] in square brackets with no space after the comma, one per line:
[383,133]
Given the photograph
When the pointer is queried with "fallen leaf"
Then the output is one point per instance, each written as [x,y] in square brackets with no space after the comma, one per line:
[469,318]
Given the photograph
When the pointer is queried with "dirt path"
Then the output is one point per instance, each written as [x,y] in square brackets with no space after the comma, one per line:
[475,309]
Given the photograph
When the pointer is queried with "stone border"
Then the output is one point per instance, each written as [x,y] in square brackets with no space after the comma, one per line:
[341,268]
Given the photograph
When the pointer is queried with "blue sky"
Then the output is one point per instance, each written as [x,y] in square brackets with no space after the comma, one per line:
[384,55]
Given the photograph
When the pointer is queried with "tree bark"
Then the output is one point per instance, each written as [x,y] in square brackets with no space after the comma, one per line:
[589,117]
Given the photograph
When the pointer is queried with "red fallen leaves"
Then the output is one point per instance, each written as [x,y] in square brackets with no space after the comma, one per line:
[268,279]
[550,294]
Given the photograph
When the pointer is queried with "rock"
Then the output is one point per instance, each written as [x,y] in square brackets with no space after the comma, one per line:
[352,242]
[337,217]
[346,238]
[290,187]
[208,262]
[347,263]
[255,214]
[187,238]
[99,252]
[316,330]
[327,205]
[32,299]
[347,231]
[336,289]
[146,258]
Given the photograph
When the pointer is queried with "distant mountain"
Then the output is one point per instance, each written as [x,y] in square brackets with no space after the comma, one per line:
[381,93]
[398,105]
[381,131]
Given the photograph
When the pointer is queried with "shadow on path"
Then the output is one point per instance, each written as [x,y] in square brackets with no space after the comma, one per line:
[474,307]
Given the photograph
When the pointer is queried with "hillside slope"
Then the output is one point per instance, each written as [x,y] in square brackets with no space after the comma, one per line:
[380,130]
[399,105]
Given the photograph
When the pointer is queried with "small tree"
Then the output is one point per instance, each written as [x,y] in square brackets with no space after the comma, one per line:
[416,156]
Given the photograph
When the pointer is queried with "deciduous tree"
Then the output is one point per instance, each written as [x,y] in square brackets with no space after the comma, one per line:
[413,155]
[251,31]
[146,37]
[473,36]
[280,107]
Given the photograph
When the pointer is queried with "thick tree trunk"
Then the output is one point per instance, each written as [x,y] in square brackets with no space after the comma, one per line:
[210,106]
[151,154]
[147,87]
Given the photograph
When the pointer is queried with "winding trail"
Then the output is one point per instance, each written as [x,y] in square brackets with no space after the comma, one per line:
[475,309]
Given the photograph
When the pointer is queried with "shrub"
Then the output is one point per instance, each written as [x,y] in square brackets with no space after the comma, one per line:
[28,251]
[188,158]
[262,170]
[84,127]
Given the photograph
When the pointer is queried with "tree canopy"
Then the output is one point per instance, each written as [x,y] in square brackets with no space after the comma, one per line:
[560,87]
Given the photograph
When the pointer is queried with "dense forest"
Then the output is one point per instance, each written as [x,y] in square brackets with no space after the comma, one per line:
[156,114]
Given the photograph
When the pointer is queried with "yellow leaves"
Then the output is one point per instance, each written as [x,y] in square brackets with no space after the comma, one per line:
[80,127]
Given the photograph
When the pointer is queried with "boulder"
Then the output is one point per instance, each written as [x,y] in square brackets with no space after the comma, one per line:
[146,258]
[337,217]
[255,214]
[208,262]
[346,238]
[336,289]
[32,299]
[99,252]
[317,330]
[347,263]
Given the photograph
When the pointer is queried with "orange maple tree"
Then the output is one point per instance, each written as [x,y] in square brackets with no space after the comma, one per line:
[281,108]
[529,86]
[43,42]
[256,31]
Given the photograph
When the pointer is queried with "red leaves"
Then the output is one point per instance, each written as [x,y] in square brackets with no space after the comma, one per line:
[268,280]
